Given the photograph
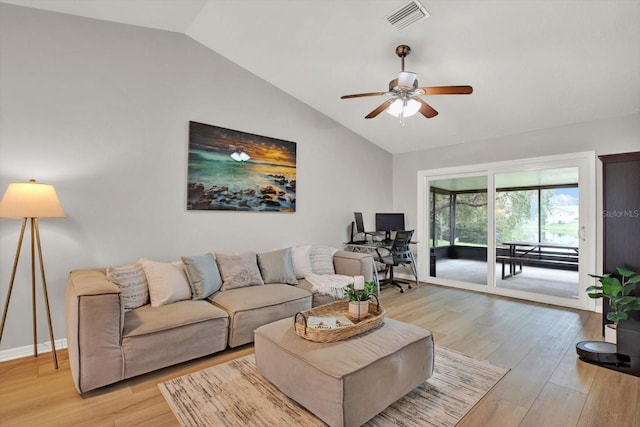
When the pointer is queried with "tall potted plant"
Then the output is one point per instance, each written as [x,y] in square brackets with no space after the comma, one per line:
[618,293]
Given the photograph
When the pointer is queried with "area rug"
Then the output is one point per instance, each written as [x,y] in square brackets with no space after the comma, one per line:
[235,394]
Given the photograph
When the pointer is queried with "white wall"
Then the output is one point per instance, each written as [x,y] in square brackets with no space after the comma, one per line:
[101,111]
[606,136]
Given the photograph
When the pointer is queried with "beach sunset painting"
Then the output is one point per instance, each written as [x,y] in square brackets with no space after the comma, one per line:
[237,171]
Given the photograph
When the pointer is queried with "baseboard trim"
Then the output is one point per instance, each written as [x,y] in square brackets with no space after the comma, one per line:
[27,350]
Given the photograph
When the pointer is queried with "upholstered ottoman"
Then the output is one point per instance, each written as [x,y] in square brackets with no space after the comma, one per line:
[345,383]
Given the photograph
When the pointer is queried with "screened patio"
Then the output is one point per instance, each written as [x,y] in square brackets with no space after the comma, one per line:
[536,231]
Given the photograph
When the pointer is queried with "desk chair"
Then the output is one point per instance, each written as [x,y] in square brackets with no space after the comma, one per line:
[399,254]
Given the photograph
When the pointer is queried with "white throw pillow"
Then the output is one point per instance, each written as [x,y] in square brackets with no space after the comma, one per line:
[322,260]
[132,282]
[301,261]
[167,282]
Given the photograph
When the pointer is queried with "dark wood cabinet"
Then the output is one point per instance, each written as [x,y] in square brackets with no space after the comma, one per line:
[621,214]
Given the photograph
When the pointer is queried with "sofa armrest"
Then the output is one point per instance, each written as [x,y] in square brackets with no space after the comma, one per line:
[95,317]
[354,264]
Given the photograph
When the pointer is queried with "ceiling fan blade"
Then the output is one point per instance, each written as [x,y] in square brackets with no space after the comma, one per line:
[359,95]
[448,90]
[425,109]
[380,109]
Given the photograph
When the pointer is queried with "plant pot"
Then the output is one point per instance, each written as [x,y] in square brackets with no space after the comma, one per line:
[358,309]
[610,333]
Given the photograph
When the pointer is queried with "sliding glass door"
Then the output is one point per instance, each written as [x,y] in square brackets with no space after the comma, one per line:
[537,220]
[524,228]
[458,221]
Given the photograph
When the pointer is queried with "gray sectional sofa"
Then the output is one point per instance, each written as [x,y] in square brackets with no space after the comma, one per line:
[107,343]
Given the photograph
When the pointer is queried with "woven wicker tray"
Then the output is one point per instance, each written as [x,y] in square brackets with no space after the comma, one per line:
[372,320]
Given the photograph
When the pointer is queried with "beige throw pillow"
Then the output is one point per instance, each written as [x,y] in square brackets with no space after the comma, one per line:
[167,282]
[238,270]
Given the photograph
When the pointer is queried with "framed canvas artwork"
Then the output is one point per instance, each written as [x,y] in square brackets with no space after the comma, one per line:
[238,171]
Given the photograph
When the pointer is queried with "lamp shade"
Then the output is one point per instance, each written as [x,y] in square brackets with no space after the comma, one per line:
[406,79]
[30,200]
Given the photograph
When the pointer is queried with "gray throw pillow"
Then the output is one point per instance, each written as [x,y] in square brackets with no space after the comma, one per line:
[204,277]
[277,267]
[238,270]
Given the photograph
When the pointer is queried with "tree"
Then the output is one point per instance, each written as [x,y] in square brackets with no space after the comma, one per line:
[516,214]
[471,218]
[441,215]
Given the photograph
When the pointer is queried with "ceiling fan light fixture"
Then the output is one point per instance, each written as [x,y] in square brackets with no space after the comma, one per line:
[406,79]
[407,107]
[405,92]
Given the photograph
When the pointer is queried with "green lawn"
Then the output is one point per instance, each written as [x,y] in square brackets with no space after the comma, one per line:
[569,228]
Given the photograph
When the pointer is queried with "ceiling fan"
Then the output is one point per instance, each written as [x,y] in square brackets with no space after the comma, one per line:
[405,100]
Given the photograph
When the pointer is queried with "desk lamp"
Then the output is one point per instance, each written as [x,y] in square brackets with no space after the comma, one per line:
[31,201]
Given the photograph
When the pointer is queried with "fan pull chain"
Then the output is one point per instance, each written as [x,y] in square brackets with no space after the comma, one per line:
[401,115]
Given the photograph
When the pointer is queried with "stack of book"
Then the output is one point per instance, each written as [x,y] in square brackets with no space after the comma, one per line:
[333,322]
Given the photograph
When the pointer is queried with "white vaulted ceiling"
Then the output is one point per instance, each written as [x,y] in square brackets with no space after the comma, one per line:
[533,64]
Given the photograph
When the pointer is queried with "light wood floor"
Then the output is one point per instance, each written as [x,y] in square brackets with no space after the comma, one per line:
[547,385]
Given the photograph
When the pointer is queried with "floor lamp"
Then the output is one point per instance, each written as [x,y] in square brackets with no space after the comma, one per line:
[31,201]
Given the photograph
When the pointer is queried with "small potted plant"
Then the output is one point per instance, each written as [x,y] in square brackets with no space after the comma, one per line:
[359,293]
[618,294]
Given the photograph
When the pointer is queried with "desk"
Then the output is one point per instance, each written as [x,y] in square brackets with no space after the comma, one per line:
[521,253]
[375,245]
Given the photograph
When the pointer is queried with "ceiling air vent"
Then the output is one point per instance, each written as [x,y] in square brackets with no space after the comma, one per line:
[407,15]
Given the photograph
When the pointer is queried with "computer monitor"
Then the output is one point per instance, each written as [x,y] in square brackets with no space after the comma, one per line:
[359,222]
[389,222]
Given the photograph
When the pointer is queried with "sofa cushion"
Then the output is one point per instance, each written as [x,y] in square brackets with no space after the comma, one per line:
[132,282]
[167,282]
[277,267]
[174,333]
[252,307]
[238,270]
[203,275]
[242,299]
[149,320]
